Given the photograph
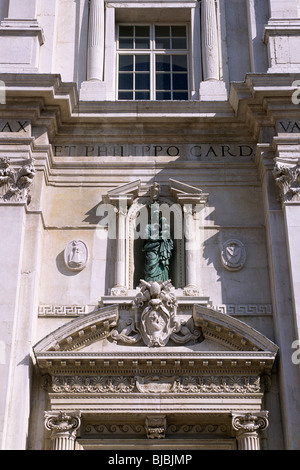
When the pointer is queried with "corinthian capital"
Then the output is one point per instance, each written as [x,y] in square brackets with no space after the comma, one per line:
[287,177]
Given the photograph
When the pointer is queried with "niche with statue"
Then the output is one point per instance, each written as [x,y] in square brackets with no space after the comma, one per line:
[156,242]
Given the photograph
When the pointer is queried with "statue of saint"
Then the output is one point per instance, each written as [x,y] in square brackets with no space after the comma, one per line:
[158,247]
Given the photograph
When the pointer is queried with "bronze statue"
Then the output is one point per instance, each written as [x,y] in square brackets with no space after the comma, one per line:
[158,247]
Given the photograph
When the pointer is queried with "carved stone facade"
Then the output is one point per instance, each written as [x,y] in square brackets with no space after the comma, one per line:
[149,205]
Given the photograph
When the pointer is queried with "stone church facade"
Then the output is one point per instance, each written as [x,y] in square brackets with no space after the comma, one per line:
[150,207]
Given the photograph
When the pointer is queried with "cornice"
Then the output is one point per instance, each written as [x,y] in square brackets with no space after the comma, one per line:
[281,27]
[262,99]
[49,92]
[53,92]
[151,362]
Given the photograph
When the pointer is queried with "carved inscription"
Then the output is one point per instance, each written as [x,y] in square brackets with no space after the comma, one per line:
[15,126]
[196,152]
[288,126]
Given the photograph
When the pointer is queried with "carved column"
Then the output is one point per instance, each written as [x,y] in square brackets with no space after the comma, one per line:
[192,201]
[193,233]
[247,427]
[120,204]
[210,40]
[95,56]
[120,263]
[191,250]
[63,427]
[120,199]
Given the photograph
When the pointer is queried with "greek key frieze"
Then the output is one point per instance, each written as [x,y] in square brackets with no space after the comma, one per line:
[245,309]
[62,310]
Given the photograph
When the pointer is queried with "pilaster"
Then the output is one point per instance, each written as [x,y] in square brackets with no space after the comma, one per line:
[281,36]
[286,9]
[282,293]
[21,189]
[258,16]
[95,53]
[287,177]
[94,84]
[212,88]
[15,54]
[210,42]
[22,9]
[11,250]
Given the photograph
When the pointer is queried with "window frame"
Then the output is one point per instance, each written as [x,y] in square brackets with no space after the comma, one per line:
[153,52]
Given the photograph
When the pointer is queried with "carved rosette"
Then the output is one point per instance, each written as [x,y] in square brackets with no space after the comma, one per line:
[63,427]
[248,426]
[287,177]
[15,182]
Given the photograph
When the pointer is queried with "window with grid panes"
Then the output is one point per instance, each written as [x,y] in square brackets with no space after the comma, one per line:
[153,62]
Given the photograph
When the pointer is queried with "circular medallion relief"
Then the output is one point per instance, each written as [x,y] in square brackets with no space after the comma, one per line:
[233,255]
[76,255]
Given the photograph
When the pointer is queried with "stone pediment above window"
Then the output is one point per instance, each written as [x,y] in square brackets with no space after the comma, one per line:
[207,338]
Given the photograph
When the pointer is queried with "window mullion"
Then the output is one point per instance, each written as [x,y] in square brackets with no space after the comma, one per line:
[152,64]
[171,75]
